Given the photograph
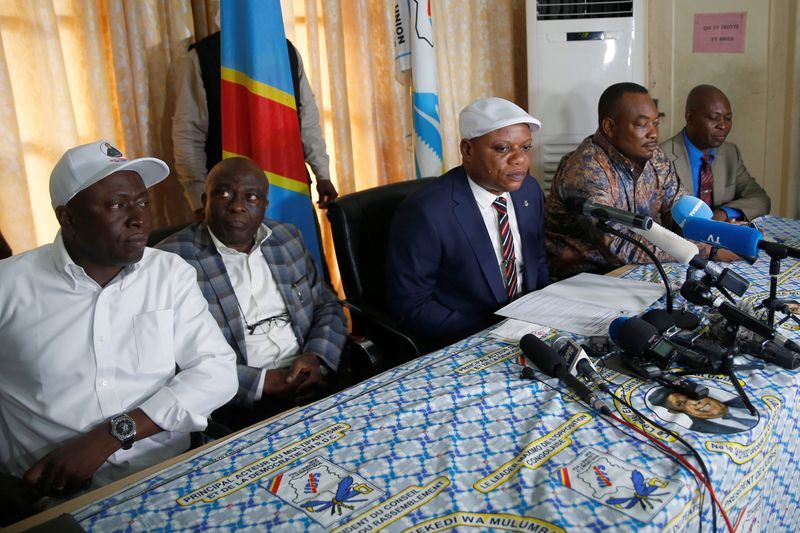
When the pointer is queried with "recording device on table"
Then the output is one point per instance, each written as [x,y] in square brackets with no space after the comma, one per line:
[745,241]
[665,325]
[647,353]
[551,363]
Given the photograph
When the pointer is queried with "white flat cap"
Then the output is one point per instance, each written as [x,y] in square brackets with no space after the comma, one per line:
[489,114]
[83,166]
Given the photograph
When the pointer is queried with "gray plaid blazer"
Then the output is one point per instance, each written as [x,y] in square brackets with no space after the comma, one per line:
[317,318]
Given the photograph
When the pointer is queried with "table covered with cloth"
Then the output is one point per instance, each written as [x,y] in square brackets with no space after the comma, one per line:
[457,439]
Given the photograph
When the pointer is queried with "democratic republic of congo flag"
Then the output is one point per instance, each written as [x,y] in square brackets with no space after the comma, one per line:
[259,112]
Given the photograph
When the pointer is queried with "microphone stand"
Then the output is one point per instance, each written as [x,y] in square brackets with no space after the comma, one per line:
[725,365]
[772,303]
[605,227]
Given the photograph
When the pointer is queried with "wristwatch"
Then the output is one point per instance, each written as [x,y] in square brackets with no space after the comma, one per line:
[123,428]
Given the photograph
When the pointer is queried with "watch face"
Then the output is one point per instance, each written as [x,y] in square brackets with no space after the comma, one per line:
[123,426]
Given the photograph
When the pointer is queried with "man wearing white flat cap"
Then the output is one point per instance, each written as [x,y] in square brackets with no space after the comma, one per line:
[93,328]
[473,240]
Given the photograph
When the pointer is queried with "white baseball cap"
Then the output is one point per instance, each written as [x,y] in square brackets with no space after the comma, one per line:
[489,114]
[83,166]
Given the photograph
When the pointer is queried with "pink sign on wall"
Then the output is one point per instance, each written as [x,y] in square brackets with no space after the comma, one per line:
[719,33]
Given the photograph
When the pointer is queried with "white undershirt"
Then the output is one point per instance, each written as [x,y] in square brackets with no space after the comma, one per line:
[489,214]
[272,344]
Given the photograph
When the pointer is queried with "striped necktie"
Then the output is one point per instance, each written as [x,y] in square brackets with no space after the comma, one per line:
[706,181]
[507,239]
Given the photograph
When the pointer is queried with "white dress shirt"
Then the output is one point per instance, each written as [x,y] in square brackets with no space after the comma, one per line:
[485,199]
[75,354]
[273,343]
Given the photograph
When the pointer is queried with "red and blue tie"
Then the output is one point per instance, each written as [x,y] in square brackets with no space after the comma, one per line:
[507,239]
[706,181]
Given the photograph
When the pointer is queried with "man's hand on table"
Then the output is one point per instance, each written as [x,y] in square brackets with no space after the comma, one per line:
[70,467]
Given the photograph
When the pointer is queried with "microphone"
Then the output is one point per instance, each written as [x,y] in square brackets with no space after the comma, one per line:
[606,213]
[741,240]
[665,325]
[577,361]
[699,293]
[771,353]
[640,341]
[687,253]
[690,206]
[549,362]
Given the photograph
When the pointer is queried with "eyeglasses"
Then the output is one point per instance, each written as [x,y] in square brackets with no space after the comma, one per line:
[277,320]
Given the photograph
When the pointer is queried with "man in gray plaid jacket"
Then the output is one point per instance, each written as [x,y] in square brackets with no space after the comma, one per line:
[266,293]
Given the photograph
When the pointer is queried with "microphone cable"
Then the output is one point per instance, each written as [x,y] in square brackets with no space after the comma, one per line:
[698,476]
[703,476]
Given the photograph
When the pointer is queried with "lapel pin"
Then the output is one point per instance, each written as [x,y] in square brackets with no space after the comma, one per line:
[525,203]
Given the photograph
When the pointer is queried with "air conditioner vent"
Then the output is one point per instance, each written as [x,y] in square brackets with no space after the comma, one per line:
[583,9]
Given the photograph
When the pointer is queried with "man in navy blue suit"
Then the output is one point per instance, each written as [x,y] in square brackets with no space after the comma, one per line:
[473,240]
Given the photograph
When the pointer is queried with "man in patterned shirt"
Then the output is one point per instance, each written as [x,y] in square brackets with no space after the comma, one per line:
[621,166]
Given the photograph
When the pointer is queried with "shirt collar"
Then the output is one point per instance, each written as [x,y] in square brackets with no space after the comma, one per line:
[75,273]
[695,153]
[484,198]
[615,155]
[262,234]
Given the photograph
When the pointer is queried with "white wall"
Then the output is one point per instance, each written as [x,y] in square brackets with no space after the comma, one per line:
[761,84]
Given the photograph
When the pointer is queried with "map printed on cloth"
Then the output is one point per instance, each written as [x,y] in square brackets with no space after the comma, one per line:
[619,485]
[324,491]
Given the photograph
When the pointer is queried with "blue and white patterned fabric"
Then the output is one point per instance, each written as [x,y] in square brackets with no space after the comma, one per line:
[457,439]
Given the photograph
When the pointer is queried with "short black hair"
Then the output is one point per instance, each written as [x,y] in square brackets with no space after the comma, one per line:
[610,99]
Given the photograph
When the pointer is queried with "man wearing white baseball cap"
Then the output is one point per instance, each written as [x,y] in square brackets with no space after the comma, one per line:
[93,328]
[473,240]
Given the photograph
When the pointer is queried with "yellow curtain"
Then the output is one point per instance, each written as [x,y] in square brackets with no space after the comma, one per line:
[73,71]
[348,52]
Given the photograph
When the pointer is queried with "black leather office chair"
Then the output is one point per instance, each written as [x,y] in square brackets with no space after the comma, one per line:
[360,226]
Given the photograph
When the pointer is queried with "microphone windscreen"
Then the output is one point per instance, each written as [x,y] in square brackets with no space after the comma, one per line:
[574,204]
[741,240]
[675,245]
[634,335]
[659,318]
[542,355]
[689,206]
[613,328]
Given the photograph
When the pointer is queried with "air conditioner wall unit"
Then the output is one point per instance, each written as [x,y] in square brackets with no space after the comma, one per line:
[575,50]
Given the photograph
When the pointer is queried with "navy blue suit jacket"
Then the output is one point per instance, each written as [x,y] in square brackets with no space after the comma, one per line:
[443,279]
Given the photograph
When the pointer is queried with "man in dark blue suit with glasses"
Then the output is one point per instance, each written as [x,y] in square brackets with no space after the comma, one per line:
[473,240]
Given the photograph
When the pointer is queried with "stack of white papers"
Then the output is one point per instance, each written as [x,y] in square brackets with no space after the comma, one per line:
[584,304]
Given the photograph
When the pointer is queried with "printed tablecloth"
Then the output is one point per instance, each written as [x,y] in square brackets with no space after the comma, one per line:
[457,439]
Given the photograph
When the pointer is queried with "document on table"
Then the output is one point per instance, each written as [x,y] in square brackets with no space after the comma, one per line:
[512,330]
[584,304]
